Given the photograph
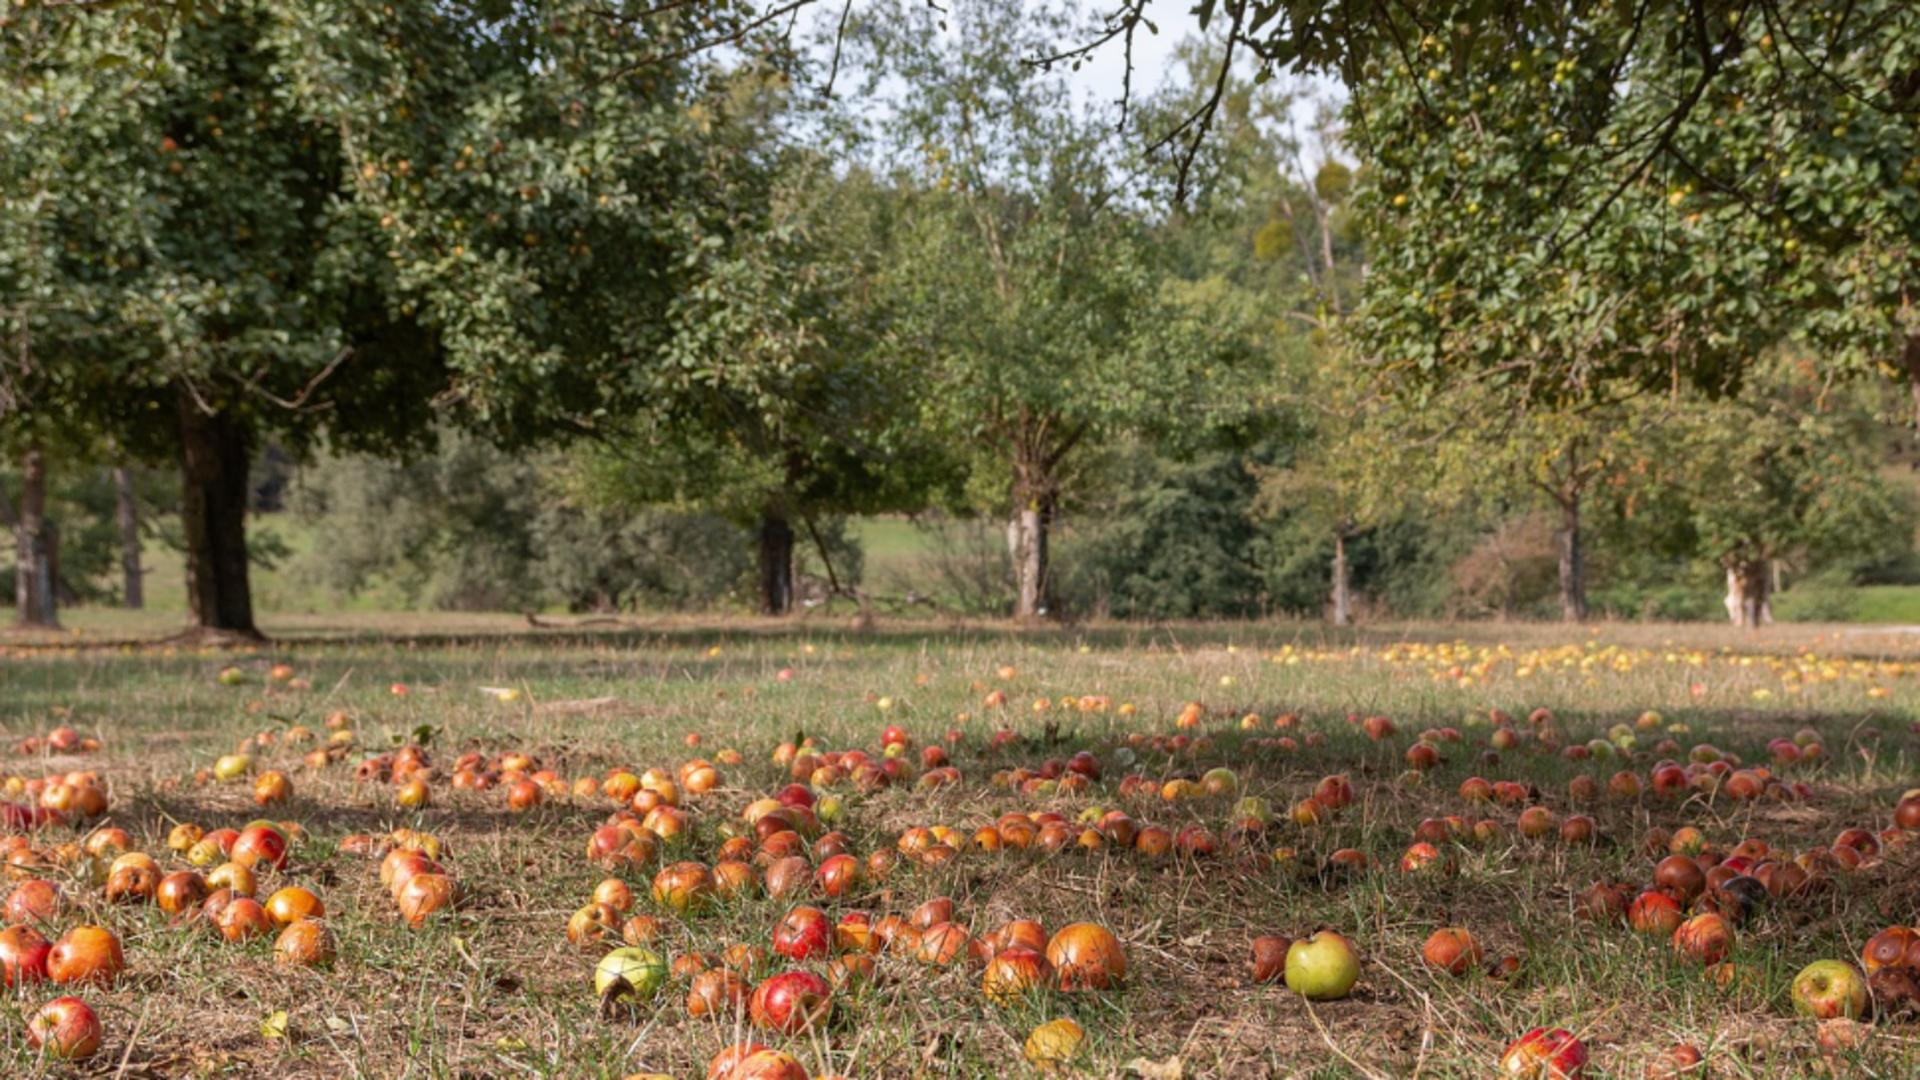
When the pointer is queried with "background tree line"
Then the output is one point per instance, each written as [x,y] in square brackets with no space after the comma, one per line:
[548,305]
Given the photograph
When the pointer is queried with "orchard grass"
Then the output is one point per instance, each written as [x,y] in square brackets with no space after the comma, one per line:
[495,990]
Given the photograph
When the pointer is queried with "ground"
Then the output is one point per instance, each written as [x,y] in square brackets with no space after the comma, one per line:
[495,989]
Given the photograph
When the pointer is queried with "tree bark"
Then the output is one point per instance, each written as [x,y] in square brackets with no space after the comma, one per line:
[776,561]
[1910,355]
[1033,521]
[215,451]
[126,516]
[1749,599]
[35,602]
[1573,564]
[1342,613]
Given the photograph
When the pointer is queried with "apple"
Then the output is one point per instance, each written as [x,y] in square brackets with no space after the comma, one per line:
[33,900]
[685,887]
[1323,967]
[241,918]
[1705,938]
[181,892]
[942,944]
[1603,902]
[424,894]
[1051,1046]
[1888,948]
[591,923]
[1681,876]
[629,974]
[258,844]
[1655,913]
[791,1002]
[86,954]
[1452,950]
[1825,989]
[764,1065]
[1086,956]
[65,1028]
[304,942]
[803,932]
[1546,1055]
[717,992]
[1012,973]
[132,878]
[1267,961]
[23,956]
[272,787]
[837,875]
[1677,1062]
[293,903]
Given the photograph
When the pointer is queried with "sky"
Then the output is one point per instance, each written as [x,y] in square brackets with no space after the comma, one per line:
[1100,78]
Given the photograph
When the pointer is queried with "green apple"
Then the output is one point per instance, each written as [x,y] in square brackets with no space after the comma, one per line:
[1323,967]
[629,974]
[232,766]
[232,676]
[1222,779]
[1255,807]
[829,809]
[1826,989]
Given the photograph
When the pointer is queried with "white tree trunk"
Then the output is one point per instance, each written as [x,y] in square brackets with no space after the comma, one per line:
[1749,599]
[1030,563]
[127,520]
[1342,613]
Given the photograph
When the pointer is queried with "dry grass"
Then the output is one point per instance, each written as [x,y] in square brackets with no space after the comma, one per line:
[496,991]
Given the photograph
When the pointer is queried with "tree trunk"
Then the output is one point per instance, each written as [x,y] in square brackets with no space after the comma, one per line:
[215,451]
[35,603]
[126,516]
[1573,564]
[1342,581]
[776,561]
[1911,356]
[1749,600]
[1032,522]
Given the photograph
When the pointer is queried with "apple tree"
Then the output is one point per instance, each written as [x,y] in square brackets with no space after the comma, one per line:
[1790,469]
[1026,294]
[779,406]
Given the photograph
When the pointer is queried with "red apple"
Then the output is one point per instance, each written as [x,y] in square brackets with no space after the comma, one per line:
[803,932]
[23,956]
[86,954]
[259,844]
[790,1002]
[65,1028]
[1545,1055]
[1452,950]
[1267,962]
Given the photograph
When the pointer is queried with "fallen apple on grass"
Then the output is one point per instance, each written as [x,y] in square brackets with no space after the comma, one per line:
[628,975]
[1323,967]
[1826,989]
[1052,1046]
[1545,1054]
[65,1028]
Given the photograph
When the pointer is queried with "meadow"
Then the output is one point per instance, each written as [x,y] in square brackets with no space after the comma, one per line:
[494,986]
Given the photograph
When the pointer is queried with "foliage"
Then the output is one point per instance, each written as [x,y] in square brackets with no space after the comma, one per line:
[81,503]
[472,528]
[1791,471]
